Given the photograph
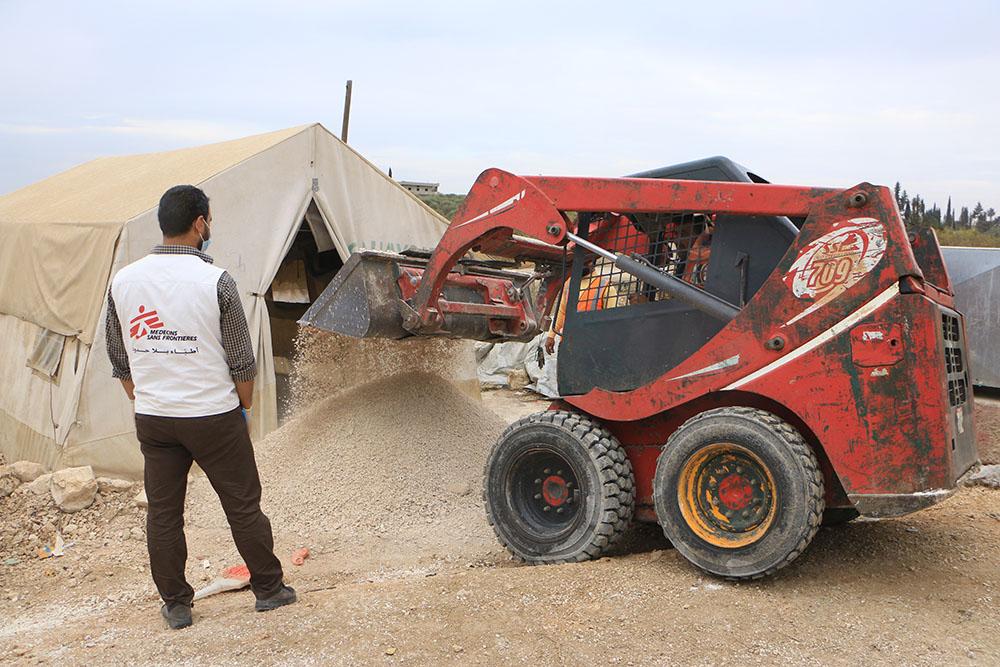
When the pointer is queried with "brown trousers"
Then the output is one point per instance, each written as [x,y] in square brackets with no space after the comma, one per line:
[221,446]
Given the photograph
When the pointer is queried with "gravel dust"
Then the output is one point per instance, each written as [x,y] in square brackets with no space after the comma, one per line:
[326,364]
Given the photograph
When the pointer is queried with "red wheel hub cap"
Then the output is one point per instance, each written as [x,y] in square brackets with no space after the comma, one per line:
[735,492]
[554,490]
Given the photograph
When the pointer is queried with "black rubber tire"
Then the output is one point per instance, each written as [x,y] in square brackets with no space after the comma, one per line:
[796,477]
[605,488]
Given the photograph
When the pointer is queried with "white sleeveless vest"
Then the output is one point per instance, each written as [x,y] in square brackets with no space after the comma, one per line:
[168,307]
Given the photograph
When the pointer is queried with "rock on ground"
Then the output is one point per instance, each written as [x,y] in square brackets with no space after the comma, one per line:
[112,485]
[988,475]
[73,489]
[40,486]
[27,471]
[8,483]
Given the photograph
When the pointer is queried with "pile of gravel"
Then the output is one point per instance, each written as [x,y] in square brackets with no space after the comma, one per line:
[394,465]
[404,451]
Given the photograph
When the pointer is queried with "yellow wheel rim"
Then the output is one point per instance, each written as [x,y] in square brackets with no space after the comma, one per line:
[727,495]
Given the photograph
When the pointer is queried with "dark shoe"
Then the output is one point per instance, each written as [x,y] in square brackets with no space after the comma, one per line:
[285,596]
[178,615]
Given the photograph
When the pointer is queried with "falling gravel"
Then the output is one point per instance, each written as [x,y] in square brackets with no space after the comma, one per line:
[327,364]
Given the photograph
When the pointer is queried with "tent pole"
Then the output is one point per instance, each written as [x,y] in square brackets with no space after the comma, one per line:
[347,111]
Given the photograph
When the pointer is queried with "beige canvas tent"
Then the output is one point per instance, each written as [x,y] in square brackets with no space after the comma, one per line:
[288,208]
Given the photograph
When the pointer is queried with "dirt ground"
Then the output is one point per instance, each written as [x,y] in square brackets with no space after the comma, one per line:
[920,590]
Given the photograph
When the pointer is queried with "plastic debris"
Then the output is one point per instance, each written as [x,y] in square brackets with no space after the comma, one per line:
[233,578]
[299,556]
[57,549]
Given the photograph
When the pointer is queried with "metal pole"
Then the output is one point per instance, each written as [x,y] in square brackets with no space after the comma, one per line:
[704,301]
[347,112]
[707,303]
[584,243]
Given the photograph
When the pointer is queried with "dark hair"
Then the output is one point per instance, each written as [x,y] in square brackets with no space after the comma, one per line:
[180,206]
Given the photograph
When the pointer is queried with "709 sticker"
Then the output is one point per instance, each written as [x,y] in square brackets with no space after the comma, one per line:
[830,265]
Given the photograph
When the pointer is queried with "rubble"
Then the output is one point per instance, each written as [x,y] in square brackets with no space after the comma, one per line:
[73,489]
[518,379]
[32,519]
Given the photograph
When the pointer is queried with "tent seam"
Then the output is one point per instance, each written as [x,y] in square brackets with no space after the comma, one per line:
[440,218]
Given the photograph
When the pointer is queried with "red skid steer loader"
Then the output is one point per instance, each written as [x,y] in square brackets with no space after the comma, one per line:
[768,355]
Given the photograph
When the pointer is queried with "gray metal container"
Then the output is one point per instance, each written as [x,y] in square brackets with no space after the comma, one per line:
[975,279]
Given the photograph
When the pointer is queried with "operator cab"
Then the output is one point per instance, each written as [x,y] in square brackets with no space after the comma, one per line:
[729,256]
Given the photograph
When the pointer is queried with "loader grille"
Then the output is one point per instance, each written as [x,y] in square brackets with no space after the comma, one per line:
[958,378]
[678,244]
[953,360]
[950,326]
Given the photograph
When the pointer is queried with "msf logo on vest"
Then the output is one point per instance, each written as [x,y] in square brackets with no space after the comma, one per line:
[143,323]
[147,325]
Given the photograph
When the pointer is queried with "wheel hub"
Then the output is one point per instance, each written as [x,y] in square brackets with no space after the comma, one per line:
[735,492]
[727,495]
[544,487]
[554,490]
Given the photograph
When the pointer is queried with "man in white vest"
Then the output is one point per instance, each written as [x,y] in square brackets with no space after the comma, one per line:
[178,340]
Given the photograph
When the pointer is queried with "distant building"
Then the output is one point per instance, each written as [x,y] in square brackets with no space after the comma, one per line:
[420,188]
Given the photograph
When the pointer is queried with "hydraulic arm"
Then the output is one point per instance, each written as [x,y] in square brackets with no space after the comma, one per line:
[527,219]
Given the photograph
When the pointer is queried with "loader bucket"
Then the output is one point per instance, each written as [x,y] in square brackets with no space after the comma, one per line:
[362,300]
[365,300]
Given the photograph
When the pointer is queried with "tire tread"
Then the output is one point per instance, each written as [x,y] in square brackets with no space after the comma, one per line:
[802,451]
[614,470]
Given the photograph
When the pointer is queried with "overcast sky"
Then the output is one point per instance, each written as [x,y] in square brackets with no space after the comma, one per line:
[817,93]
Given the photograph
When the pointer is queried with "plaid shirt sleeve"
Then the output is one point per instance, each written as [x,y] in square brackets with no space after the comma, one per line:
[235,333]
[116,346]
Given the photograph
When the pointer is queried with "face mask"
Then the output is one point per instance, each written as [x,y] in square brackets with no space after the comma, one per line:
[203,246]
